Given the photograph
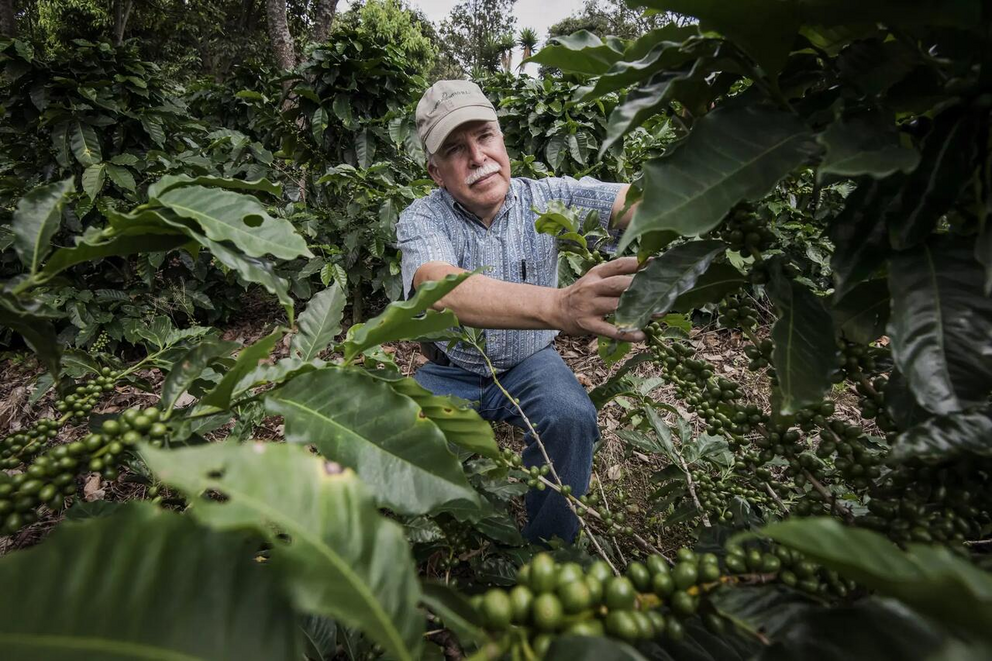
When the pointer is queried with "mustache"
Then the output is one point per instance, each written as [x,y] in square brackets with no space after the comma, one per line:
[484,171]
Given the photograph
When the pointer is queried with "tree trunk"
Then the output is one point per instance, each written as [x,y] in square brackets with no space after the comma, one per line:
[323,20]
[8,26]
[282,41]
[122,12]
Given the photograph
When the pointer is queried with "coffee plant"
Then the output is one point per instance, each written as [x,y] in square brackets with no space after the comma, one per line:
[813,185]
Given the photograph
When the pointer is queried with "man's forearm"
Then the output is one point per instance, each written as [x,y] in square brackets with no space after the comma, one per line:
[484,302]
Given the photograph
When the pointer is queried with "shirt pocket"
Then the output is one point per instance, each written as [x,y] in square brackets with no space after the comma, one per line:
[540,263]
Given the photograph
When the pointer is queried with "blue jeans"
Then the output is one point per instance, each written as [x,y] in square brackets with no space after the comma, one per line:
[558,407]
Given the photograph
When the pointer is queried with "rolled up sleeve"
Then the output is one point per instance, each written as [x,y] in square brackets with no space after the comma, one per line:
[421,239]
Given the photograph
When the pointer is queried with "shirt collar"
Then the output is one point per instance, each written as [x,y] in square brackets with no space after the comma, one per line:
[508,203]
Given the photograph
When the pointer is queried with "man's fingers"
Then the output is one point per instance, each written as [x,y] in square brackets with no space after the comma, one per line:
[621,266]
[613,285]
[606,329]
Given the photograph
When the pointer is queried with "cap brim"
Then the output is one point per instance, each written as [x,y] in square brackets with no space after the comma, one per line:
[453,120]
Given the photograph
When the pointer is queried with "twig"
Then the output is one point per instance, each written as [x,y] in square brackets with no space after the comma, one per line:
[606,504]
[778,501]
[978,542]
[551,466]
[692,490]
[831,498]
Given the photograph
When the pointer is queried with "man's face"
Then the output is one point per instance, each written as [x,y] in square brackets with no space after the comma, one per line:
[473,166]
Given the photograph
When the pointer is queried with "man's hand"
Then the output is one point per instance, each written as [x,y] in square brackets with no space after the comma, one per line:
[582,306]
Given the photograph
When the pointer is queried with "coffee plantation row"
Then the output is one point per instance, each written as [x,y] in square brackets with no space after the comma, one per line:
[817,182]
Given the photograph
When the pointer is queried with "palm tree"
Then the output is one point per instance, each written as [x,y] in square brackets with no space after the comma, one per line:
[504,45]
[528,42]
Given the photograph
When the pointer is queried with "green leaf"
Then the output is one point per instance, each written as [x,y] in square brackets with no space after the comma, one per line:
[121,176]
[930,579]
[248,359]
[805,353]
[663,56]
[125,159]
[238,218]
[941,324]
[656,287]
[188,369]
[731,154]
[555,151]
[401,321]
[719,281]
[858,233]
[591,648]
[34,323]
[768,40]
[364,149]
[320,323]
[36,220]
[581,52]
[949,159]
[153,127]
[61,142]
[862,314]
[343,559]
[460,424]
[85,144]
[342,109]
[945,438]
[142,579]
[93,178]
[318,124]
[578,147]
[360,422]
[170,181]
[863,146]
[869,629]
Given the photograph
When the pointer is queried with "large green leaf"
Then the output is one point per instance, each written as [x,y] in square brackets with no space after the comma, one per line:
[859,235]
[188,369]
[864,147]
[594,648]
[85,143]
[364,424]
[764,29]
[342,558]
[732,154]
[944,438]
[121,176]
[717,283]
[34,323]
[862,314]
[868,629]
[949,159]
[930,579]
[805,353]
[143,584]
[460,423]
[319,323]
[170,181]
[941,324]
[401,320]
[656,287]
[241,219]
[36,220]
[248,359]
[581,52]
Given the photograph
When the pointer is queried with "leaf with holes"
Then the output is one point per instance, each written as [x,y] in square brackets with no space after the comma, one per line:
[228,216]
[342,559]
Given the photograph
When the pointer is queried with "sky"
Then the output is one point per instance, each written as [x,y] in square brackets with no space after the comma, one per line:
[536,14]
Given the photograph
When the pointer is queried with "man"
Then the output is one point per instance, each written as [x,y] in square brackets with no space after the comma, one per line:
[481,218]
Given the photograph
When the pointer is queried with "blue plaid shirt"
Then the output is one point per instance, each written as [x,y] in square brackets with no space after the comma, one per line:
[437,228]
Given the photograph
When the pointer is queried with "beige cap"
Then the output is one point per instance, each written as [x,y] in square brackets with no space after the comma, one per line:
[447,105]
